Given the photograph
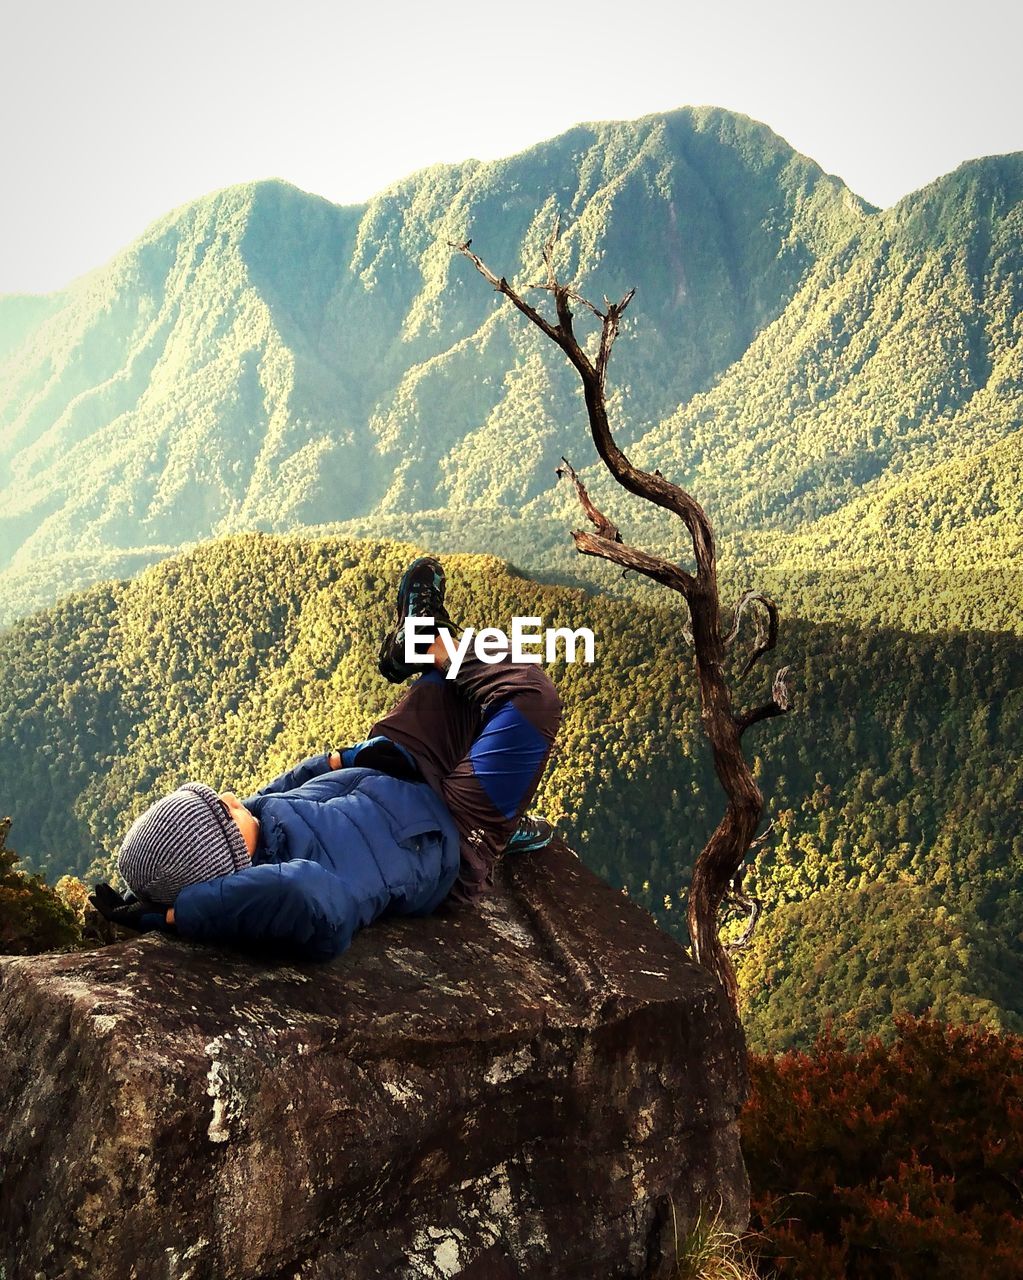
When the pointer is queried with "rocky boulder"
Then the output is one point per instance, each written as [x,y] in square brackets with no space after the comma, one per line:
[541,1086]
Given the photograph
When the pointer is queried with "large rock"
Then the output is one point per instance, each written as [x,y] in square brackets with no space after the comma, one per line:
[544,1086]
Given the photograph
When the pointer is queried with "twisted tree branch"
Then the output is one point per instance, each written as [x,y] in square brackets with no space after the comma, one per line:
[662,571]
[777,706]
[644,484]
[605,528]
[607,543]
[767,633]
[754,906]
[717,873]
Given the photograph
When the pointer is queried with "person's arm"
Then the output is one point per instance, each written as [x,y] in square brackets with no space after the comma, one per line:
[129,912]
[297,907]
[382,754]
[311,767]
[374,753]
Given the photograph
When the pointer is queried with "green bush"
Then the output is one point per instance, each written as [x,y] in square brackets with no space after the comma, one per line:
[33,917]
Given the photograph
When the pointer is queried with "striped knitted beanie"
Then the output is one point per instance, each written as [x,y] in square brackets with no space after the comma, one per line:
[186,837]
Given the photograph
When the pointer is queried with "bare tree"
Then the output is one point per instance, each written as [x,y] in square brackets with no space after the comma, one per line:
[717,875]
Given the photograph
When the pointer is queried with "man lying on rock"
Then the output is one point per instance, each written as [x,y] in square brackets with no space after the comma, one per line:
[417,813]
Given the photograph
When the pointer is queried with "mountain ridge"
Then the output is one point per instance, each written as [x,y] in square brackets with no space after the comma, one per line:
[262,358]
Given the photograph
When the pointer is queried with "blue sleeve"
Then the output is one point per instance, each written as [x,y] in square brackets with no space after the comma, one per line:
[374,753]
[297,907]
[382,754]
[311,767]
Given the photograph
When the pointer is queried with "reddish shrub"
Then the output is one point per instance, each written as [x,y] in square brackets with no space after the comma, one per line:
[901,1162]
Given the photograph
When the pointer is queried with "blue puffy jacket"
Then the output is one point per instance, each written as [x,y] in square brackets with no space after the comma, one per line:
[338,848]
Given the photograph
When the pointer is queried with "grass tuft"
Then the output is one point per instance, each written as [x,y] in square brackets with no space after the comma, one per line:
[709,1251]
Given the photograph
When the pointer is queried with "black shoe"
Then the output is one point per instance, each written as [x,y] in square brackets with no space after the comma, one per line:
[420,595]
[531,834]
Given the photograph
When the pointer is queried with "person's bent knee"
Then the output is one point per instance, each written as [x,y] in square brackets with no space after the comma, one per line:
[543,701]
[551,699]
[534,677]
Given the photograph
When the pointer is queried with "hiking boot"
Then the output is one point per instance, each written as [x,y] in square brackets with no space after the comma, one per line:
[420,595]
[532,833]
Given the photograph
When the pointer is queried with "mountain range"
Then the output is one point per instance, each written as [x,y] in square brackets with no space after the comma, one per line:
[842,387]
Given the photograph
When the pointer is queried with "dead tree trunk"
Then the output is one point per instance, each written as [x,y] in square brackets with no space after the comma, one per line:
[717,874]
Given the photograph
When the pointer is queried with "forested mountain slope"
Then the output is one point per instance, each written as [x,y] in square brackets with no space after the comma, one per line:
[842,388]
[869,441]
[893,880]
[901,353]
[262,358]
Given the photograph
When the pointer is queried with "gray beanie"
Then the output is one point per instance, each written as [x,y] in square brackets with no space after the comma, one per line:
[186,837]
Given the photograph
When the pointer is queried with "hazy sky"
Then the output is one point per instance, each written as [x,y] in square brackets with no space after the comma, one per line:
[115,112]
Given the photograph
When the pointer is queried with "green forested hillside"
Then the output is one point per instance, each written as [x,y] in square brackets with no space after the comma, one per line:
[901,353]
[841,387]
[264,359]
[869,441]
[893,878]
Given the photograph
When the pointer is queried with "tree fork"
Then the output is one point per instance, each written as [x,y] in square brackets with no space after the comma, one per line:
[717,873]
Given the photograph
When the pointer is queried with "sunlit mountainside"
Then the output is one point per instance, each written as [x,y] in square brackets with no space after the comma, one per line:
[262,358]
[840,386]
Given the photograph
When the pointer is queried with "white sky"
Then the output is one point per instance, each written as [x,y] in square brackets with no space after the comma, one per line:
[114,112]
